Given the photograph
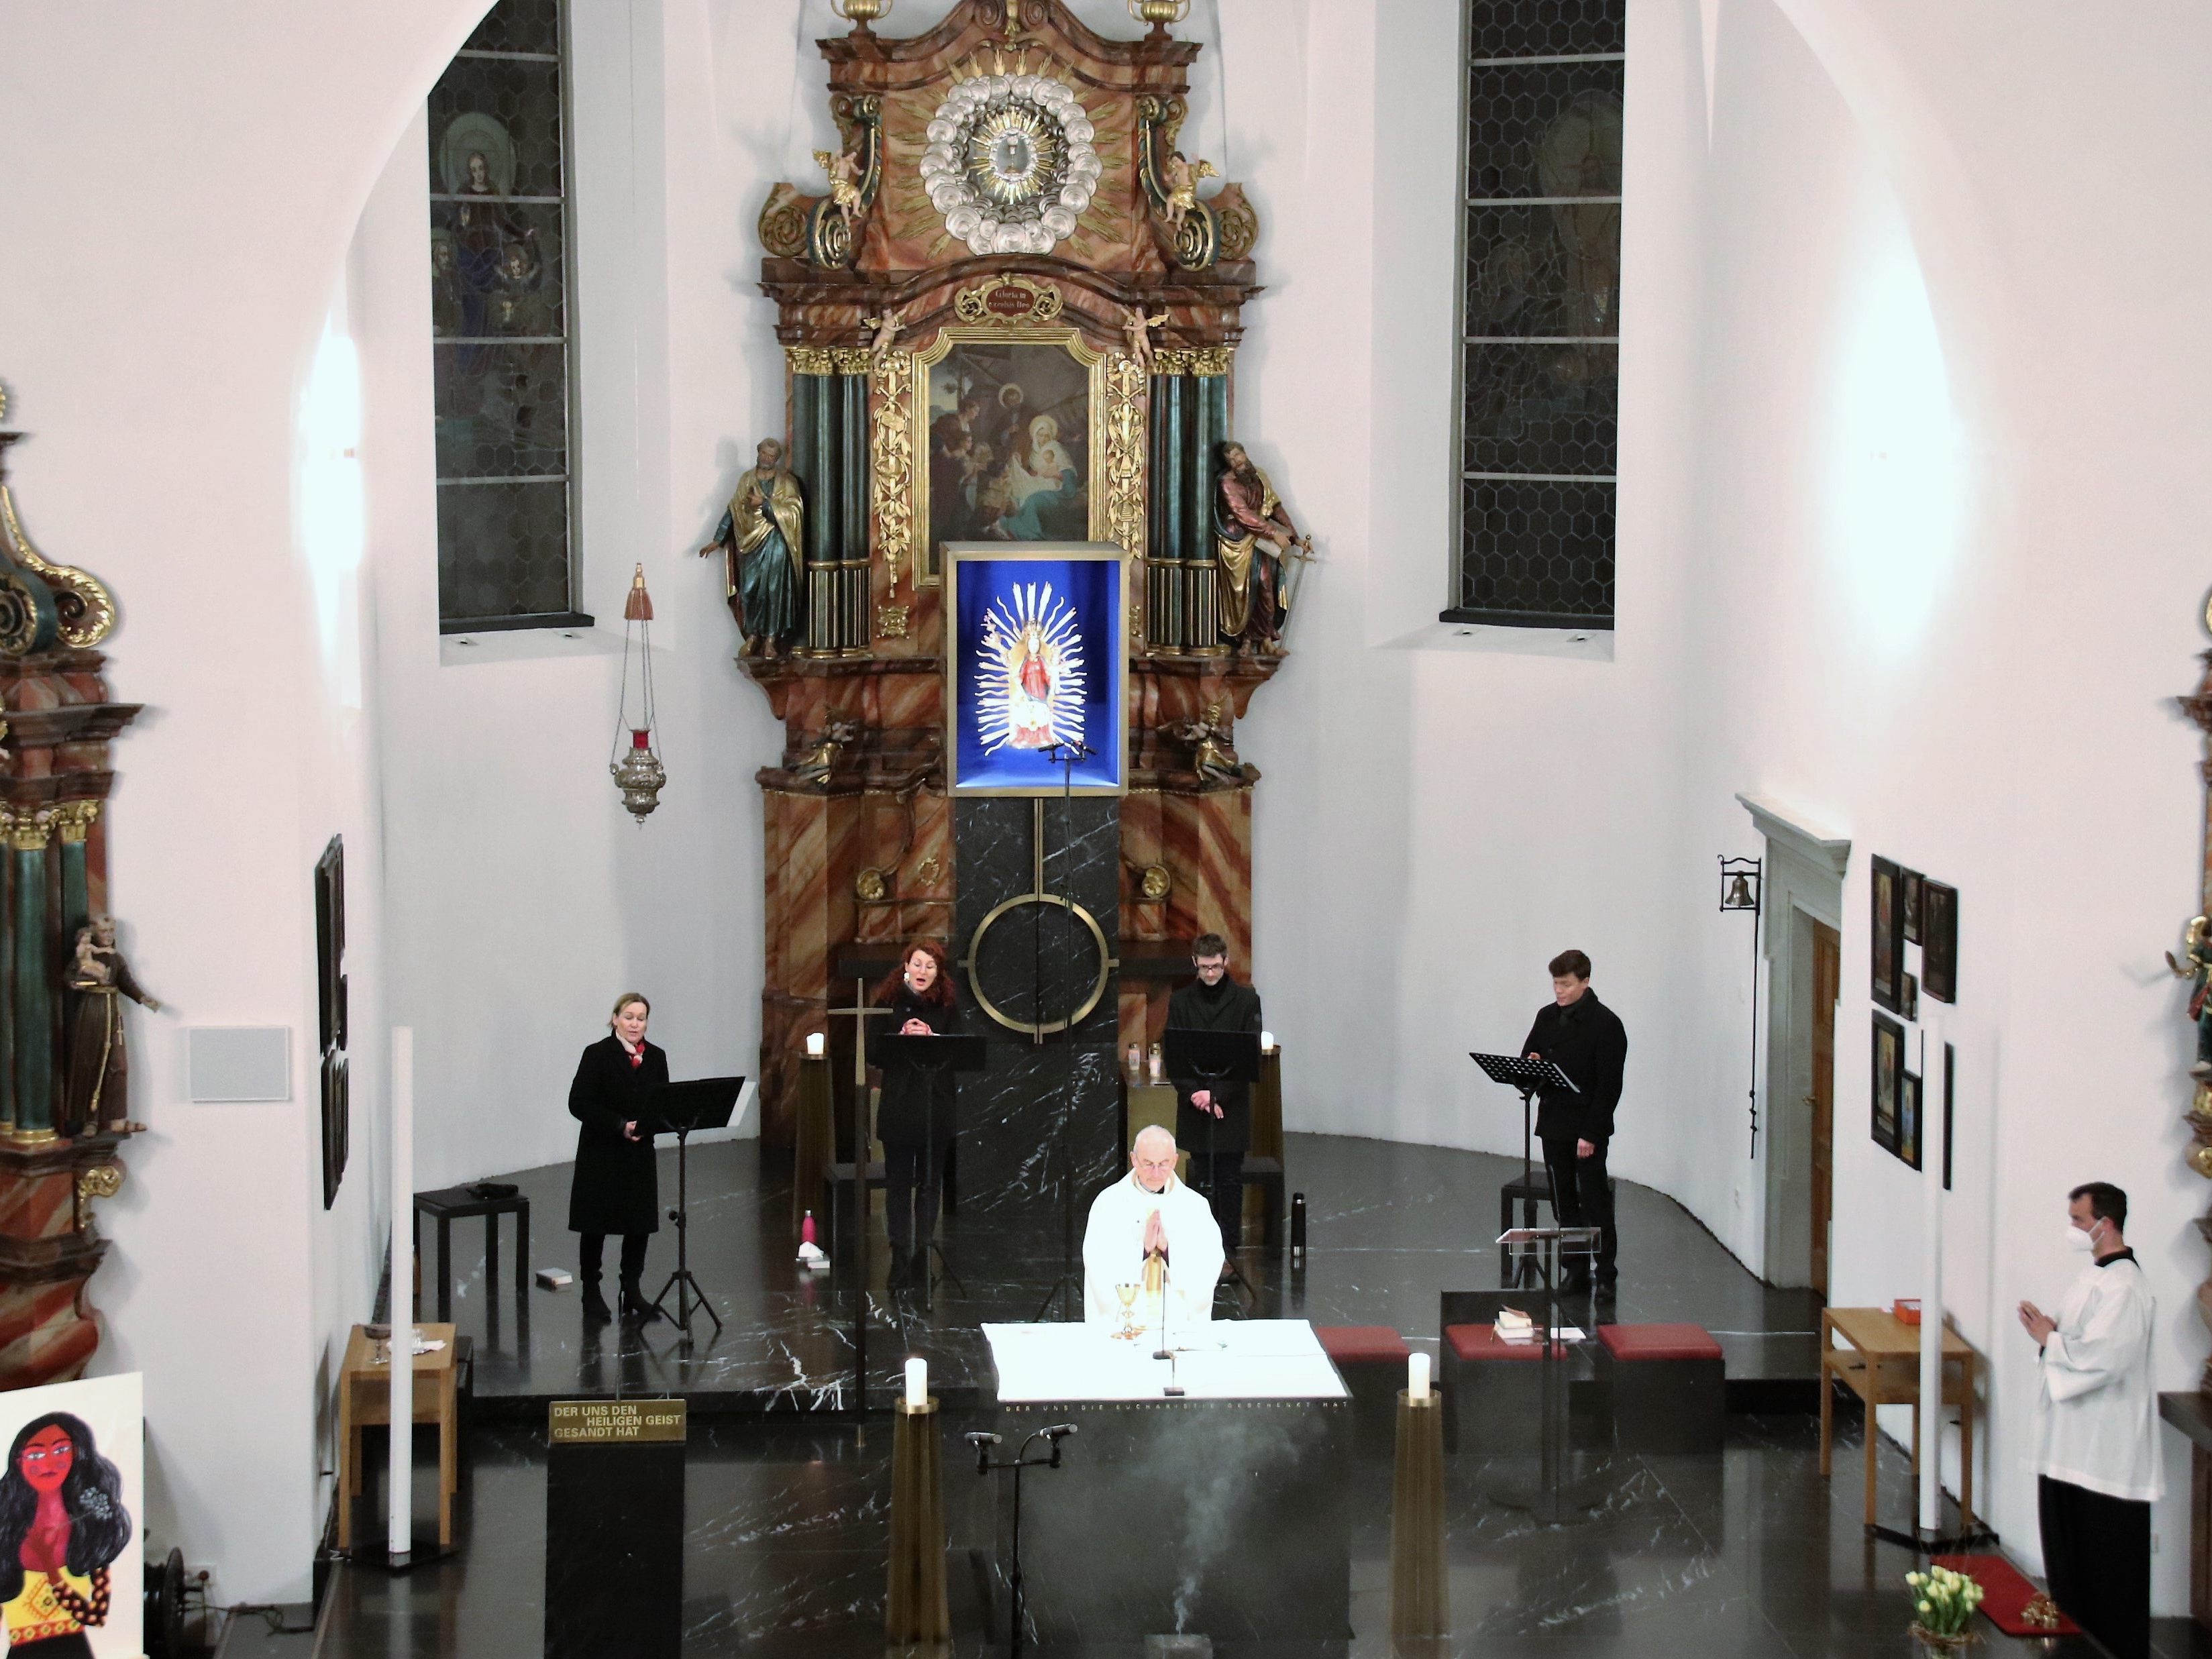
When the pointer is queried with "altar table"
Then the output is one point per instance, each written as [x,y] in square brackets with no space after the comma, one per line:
[1219,1512]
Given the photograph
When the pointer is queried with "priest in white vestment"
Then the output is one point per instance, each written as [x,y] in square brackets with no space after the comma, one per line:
[1150,1209]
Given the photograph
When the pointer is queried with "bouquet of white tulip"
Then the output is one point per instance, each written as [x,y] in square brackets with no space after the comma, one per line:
[1944,1602]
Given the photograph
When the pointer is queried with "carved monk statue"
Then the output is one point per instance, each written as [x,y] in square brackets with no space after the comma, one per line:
[761,537]
[1252,536]
[97,1092]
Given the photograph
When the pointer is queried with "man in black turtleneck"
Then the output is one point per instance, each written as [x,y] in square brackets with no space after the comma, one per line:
[1586,1040]
[1213,1123]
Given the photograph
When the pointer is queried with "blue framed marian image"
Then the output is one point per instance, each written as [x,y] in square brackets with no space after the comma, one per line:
[1037,669]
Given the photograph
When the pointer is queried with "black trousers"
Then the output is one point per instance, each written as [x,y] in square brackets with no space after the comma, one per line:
[1221,1178]
[2096,1552]
[591,1253]
[1581,1196]
[913,1180]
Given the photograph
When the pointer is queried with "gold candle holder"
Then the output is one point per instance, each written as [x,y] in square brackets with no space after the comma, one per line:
[1420,1597]
[916,1612]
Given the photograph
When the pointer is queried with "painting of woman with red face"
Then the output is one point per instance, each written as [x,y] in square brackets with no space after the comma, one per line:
[62,1524]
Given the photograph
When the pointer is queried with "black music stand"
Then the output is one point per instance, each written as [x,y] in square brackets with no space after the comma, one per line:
[678,1108]
[1560,1495]
[1214,1058]
[934,1056]
[1519,1072]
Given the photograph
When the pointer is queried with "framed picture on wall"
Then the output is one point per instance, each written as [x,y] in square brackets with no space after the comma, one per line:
[1887,952]
[1914,881]
[1888,1087]
[1938,942]
[1950,1085]
[1908,1001]
[1909,1118]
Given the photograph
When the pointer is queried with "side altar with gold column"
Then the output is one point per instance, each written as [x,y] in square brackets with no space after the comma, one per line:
[58,1136]
[1007,313]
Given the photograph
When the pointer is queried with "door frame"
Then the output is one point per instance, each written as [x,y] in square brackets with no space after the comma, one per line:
[1802,883]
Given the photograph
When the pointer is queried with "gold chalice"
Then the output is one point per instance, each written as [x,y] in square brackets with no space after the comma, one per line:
[1127,1293]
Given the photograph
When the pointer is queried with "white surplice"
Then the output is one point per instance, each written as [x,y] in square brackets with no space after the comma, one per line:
[2097,1413]
[1114,1253]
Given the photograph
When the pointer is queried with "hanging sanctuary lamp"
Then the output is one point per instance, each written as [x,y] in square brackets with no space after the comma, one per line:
[636,766]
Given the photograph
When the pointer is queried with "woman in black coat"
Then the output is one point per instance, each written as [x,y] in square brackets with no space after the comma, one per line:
[616,1187]
[916,1113]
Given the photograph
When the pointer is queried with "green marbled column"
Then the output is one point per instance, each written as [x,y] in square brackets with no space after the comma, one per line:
[29,947]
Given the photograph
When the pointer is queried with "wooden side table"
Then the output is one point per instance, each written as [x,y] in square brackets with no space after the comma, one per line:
[1877,1356]
[365,1399]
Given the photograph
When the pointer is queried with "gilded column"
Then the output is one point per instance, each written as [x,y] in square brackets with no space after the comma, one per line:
[28,834]
[73,820]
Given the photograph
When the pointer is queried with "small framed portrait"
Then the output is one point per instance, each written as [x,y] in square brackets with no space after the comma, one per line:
[1939,941]
[1914,881]
[1888,1082]
[1908,1000]
[71,1498]
[1909,1118]
[1886,953]
[1036,666]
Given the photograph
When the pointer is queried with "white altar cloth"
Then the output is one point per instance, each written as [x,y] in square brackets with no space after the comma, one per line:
[1226,1359]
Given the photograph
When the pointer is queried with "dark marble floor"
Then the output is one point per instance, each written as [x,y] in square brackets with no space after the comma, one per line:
[1749,1553]
[1390,1227]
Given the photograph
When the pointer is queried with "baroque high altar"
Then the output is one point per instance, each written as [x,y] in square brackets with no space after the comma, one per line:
[1007,314]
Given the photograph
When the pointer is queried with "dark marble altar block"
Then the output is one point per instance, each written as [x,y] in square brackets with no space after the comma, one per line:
[1226,1519]
[613,1529]
[1038,1109]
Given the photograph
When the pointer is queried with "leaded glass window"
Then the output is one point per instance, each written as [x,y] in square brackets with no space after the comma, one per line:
[1539,349]
[500,320]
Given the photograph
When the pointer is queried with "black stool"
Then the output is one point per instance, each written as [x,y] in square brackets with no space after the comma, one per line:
[450,1203]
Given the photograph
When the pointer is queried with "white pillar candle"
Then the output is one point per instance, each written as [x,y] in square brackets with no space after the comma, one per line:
[1417,1377]
[400,1473]
[815,1044]
[1266,1042]
[917,1384]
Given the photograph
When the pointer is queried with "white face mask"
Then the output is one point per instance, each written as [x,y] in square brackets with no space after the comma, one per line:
[2079,1239]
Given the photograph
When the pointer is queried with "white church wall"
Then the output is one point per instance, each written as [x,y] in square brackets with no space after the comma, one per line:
[1860,327]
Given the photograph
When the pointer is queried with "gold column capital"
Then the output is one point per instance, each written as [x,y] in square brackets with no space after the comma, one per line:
[74,819]
[29,832]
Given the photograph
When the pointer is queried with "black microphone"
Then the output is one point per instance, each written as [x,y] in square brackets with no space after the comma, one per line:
[983,1440]
[1060,1431]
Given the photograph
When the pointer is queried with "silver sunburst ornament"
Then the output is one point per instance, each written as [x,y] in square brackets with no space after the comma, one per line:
[1010,162]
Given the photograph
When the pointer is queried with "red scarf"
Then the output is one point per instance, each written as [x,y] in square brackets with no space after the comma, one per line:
[636,1055]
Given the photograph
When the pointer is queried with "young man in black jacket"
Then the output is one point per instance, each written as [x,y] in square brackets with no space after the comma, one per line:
[1586,1040]
[1213,1123]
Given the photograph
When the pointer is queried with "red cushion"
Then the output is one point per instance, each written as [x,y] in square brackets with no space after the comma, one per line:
[1626,1342]
[1483,1342]
[1360,1345]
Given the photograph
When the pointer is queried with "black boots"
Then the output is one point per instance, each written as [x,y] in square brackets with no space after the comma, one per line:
[635,1309]
[595,1305]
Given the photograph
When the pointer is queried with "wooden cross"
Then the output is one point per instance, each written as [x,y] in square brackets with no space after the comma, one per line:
[859,1013]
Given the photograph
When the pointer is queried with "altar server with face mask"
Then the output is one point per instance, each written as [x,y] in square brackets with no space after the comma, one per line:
[2096,1429]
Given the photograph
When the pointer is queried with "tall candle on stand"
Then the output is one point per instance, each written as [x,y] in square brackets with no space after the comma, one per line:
[400,1479]
[917,1384]
[1417,1377]
[1931,1289]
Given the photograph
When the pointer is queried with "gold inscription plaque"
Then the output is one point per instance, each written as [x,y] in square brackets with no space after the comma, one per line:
[613,1422]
